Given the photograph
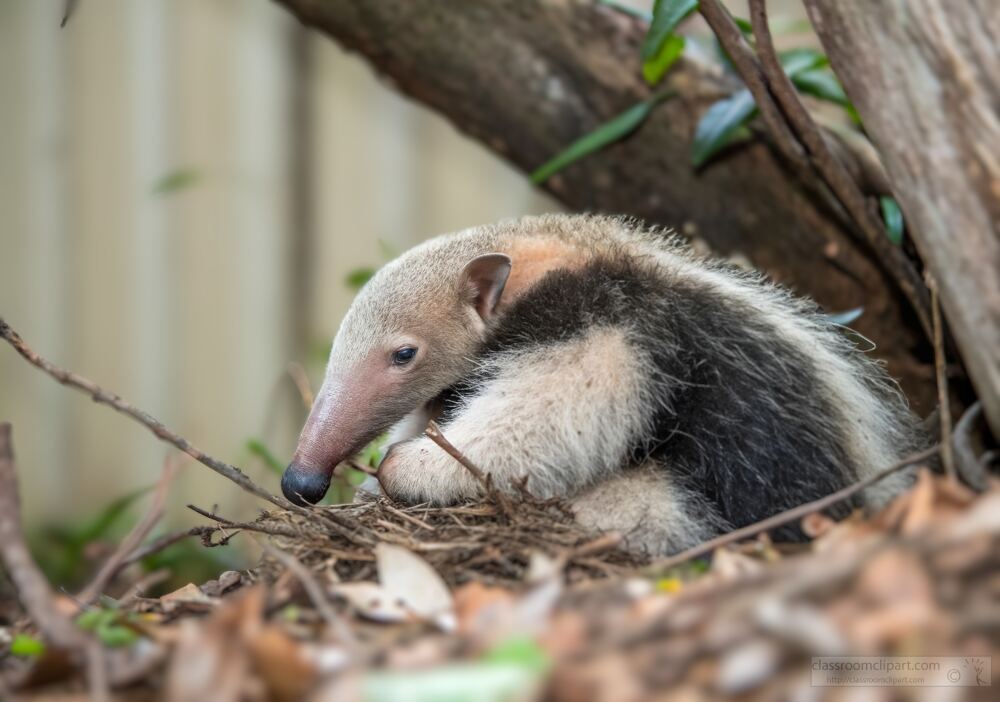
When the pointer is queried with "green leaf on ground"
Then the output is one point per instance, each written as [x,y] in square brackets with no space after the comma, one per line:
[521,651]
[893,217]
[611,131]
[667,14]
[24,646]
[721,124]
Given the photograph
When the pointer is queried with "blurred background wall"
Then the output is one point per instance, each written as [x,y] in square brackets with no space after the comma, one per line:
[184,187]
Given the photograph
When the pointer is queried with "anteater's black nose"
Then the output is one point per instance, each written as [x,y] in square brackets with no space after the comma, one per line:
[301,485]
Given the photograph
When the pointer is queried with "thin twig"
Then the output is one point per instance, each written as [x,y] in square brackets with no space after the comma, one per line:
[166,541]
[410,518]
[102,396]
[33,589]
[210,515]
[314,590]
[944,405]
[833,171]
[135,537]
[788,516]
[433,432]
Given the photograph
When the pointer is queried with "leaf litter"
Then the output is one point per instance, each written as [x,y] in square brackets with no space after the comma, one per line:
[465,603]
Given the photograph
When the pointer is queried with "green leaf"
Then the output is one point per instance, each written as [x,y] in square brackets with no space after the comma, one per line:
[743,24]
[721,124]
[175,181]
[821,83]
[795,61]
[116,636]
[357,278]
[608,133]
[846,317]
[654,69]
[893,217]
[371,455]
[24,646]
[521,651]
[259,449]
[667,14]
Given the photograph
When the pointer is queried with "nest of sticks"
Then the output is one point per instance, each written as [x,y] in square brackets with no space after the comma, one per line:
[485,541]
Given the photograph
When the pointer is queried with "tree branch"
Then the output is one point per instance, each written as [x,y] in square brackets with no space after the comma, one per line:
[834,173]
[102,396]
[528,77]
[923,76]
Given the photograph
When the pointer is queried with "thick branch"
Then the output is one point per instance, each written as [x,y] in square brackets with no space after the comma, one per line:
[925,77]
[528,77]
[833,171]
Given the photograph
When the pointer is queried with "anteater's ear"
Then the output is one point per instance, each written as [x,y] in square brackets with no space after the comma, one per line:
[484,278]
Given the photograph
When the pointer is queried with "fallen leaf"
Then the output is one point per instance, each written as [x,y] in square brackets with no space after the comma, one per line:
[374,602]
[408,579]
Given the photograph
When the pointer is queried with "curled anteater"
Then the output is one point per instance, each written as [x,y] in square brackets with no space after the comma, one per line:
[667,397]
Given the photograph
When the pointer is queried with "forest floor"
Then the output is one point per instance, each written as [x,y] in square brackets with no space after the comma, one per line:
[512,601]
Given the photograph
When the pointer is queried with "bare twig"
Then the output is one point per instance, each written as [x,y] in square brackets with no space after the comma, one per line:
[313,589]
[944,405]
[33,589]
[790,515]
[135,537]
[102,396]
[433,432]
[164,542]
[833,171]
[211,515]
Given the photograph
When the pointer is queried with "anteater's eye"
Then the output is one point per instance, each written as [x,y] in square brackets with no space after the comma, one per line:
[403,356]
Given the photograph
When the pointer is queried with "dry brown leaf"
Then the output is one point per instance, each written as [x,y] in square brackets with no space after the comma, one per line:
[282,663]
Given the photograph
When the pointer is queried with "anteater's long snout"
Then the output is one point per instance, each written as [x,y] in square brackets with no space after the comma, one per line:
[333,433]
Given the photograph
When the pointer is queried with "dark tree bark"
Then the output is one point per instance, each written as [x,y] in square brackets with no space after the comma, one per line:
[527,77]
[925,77]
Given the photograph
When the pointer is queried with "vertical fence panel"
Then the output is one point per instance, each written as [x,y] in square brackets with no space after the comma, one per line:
[181,299]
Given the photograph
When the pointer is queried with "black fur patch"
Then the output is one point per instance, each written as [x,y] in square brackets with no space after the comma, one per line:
[741,420]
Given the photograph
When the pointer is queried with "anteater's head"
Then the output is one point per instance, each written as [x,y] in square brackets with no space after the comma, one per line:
[413,331]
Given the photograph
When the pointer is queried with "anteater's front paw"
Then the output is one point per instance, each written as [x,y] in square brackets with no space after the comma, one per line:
[418,471]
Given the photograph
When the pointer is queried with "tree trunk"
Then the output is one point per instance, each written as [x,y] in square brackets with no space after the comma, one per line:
[527,77]
[925,77]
